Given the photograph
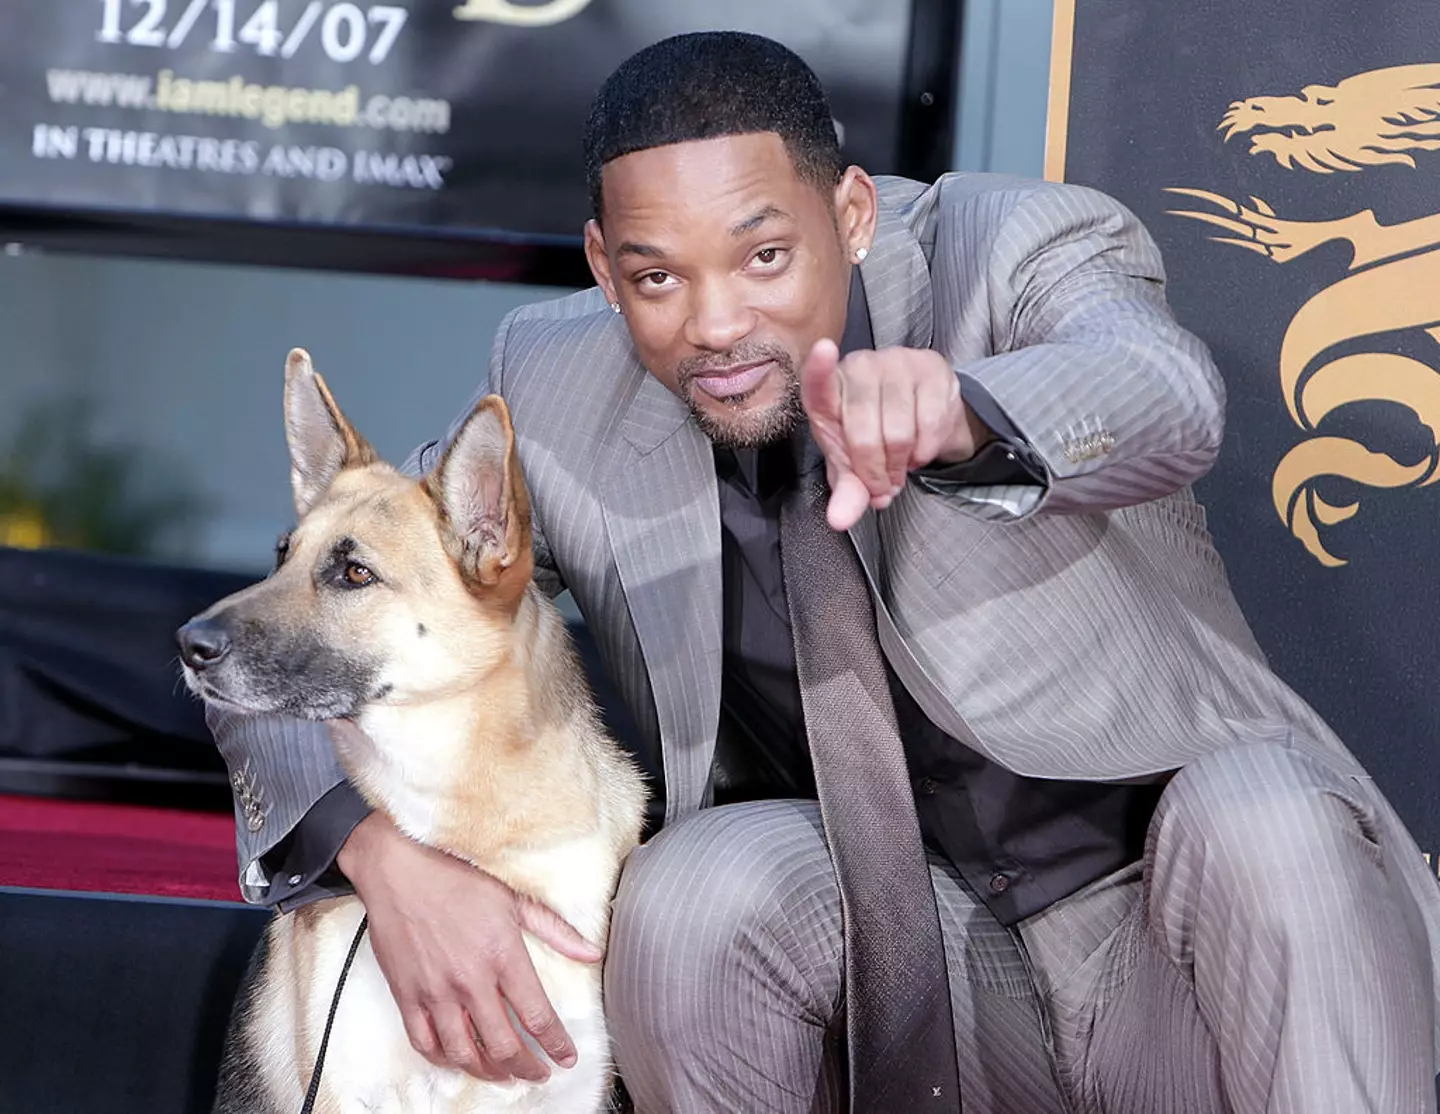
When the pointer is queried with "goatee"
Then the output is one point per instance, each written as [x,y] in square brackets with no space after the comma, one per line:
[736,427]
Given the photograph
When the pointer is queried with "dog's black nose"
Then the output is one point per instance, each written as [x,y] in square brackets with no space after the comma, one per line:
[203,642]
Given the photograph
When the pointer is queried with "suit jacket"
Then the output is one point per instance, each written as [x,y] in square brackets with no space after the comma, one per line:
[1080,628]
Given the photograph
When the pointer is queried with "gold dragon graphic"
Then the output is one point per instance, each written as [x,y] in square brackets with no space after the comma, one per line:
[1393,281]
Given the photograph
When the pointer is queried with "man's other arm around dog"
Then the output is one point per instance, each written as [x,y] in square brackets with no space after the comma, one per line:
[448,938]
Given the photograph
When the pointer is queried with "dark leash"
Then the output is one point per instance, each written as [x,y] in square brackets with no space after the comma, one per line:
[309,1104]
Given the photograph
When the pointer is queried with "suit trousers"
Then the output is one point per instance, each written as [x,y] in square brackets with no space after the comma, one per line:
[1260,958]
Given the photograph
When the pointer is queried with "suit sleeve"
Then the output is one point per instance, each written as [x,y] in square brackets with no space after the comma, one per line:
[279,769]
[294,808]
[1109,402]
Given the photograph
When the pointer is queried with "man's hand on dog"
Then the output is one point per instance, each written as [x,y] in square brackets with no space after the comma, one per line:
[448,939]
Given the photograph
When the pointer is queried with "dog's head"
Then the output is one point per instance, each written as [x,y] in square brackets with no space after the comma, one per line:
[389,590]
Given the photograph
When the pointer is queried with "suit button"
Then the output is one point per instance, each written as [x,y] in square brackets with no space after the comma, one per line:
[999,883]
[927,786]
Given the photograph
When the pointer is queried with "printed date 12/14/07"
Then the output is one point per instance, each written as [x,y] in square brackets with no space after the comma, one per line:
[344,29]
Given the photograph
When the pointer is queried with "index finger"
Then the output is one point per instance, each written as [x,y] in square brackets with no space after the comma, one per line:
[819,385]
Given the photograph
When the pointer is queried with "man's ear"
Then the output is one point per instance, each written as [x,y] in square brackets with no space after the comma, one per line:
[599,261]
[480,490]
[857,208]
[322,441]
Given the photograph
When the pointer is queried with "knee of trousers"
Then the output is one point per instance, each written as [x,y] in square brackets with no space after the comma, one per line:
[1268,822]
[729,903]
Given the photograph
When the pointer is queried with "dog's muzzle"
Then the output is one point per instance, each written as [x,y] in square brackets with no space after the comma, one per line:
[203,643]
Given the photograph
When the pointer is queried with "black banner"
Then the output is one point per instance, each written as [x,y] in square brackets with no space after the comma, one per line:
[455,117]
[1286,156]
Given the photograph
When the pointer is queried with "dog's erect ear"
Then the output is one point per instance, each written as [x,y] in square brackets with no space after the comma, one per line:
[480,490]
[322,441]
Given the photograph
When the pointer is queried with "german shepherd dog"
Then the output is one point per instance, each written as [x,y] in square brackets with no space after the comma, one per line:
[403,612]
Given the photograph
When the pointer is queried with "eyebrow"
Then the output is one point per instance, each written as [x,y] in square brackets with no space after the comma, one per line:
[756,219]
[629,247]
[749,224]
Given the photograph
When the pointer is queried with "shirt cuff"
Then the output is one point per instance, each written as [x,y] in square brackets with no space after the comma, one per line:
[1006,461]
[302,865]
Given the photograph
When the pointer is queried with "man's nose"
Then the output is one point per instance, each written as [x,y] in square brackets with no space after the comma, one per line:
[719,317]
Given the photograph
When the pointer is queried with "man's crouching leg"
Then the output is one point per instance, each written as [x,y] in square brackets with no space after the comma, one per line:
[1278,957]
[723,981]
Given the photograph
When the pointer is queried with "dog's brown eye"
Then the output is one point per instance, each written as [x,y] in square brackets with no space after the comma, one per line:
[357,575]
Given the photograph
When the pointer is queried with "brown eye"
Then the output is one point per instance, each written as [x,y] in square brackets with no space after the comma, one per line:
[357,575]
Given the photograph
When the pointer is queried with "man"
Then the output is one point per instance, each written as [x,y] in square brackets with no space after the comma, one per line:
[1161,882]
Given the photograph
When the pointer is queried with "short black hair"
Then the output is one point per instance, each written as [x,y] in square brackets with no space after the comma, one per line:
[707,84]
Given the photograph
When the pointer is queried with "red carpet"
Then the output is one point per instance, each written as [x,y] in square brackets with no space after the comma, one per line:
[105,848]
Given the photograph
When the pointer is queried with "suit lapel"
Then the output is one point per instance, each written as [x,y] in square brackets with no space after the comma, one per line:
[896,277]
[908,668]
[662,514]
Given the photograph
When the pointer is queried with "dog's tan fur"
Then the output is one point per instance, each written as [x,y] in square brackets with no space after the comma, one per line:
[458,707]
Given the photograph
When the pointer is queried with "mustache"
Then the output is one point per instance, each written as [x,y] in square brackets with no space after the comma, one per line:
[742,354]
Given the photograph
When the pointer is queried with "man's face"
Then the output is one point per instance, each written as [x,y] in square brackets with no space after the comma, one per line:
[729,267]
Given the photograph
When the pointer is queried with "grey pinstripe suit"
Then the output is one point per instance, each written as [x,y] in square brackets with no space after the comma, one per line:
[1083,629]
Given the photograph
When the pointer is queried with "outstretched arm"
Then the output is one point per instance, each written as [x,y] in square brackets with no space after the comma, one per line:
[1106,400]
